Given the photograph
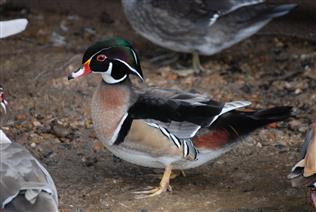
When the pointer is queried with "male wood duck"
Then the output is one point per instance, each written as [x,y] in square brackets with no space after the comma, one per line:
[161,128]
[201,27]
[25,185]
[304,172]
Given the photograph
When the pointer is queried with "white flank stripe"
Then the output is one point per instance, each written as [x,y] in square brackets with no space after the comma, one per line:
[185,149]
[117,130]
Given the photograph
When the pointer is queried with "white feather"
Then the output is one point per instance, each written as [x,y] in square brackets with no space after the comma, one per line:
[117,130]
[229,106]
[12,27]
[3,138]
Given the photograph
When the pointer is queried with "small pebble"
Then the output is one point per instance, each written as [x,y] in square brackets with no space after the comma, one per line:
[259,145]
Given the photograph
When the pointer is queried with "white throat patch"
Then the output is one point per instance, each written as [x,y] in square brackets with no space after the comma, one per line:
[107,77]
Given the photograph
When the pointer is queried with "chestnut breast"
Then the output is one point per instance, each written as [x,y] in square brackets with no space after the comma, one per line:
[109,104]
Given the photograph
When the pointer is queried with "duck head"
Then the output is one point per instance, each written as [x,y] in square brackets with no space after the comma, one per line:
[3,102]
[113,58]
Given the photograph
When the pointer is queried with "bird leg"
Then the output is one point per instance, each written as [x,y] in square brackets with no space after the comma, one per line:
[163,186]
[165,59]
[173,175]
[176,174]
[197,67]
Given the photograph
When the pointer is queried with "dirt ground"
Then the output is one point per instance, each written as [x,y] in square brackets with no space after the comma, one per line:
[51,116]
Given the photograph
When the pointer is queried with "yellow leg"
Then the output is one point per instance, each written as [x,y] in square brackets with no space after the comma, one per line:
[176,174]
[173,175]
[197,67]
[163,186]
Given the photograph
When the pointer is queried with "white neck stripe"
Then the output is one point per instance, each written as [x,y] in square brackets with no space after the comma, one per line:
[132,69]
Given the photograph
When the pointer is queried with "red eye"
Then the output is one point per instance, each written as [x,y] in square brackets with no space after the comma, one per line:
[101,57]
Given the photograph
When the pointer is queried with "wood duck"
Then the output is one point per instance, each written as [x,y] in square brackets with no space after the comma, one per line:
[304,172]
[161,128]
[201,27]
[25,185]
[12,27]
[3,101]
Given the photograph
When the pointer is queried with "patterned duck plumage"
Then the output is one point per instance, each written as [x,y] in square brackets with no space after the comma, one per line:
[304,172]
[3,102]
[164,128]
[201,27]
[25,185]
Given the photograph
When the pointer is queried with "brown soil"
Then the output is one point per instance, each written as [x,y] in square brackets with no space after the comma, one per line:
[51,117]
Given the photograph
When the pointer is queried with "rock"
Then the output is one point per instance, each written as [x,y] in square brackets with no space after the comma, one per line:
[97,147]
[259,145]
[59,131]
[281,148]
[36,123]
[116,159]
[294,124]
[298,91]
[20,117]
[89,161]
[57,39]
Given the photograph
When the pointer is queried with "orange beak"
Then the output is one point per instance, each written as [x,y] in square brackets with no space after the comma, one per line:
[84,70]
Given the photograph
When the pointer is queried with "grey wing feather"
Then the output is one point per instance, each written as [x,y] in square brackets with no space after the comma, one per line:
[228,6]
[22,175]
[199,11]
[180,129]
[307,140]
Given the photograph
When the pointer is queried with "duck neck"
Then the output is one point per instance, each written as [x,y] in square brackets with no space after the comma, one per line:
[109,105]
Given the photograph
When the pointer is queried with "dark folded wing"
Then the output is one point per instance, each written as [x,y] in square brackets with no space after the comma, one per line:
[175,106]
[178,115]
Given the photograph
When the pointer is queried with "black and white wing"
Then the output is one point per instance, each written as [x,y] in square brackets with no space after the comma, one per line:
[25,185]
[178,115]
